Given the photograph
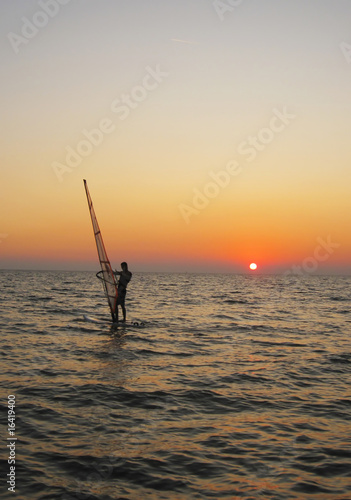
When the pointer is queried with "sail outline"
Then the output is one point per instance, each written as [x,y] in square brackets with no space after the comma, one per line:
[106,274]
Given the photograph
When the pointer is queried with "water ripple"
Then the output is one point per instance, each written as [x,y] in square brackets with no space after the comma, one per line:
[240,392]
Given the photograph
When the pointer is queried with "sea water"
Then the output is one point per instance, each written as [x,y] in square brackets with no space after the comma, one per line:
[235,387]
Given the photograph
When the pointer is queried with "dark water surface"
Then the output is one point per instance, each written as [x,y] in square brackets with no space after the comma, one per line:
[236,387]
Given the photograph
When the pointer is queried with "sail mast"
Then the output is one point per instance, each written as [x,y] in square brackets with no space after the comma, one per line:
[106,274]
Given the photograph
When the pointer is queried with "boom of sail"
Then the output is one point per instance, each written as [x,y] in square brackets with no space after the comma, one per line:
[106,274]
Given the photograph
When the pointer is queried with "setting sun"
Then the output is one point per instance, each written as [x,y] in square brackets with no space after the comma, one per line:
[253,266]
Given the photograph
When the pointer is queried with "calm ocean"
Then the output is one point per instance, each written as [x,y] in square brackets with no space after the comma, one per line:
[237,387]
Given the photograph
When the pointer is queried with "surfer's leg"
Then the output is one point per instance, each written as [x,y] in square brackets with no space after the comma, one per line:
[122,298]
[124,312]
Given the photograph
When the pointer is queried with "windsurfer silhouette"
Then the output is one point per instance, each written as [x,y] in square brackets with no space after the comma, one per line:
[124,278]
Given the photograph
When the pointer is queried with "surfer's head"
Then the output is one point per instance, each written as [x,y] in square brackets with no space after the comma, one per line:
[124,266]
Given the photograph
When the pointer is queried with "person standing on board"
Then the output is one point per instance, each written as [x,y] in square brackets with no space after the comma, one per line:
[124,278]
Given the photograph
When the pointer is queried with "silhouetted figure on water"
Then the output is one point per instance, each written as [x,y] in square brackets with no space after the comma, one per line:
[124,278]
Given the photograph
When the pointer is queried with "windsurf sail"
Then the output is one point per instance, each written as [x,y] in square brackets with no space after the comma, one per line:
[106,274]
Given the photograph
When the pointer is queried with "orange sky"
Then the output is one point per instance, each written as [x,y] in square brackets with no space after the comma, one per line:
[208,155]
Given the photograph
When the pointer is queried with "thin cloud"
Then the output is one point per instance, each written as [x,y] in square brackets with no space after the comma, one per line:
[184,41]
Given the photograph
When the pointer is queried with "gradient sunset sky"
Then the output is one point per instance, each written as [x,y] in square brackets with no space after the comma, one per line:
[212,134]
